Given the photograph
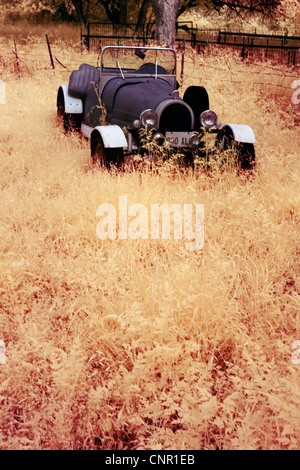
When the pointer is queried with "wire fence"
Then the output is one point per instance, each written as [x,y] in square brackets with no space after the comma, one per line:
[251,46]
[273,80]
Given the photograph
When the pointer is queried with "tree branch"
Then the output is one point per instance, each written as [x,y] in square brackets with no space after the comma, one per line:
[266,7]
[186,5]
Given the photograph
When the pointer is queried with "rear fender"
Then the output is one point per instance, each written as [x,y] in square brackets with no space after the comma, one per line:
[72,105]
[112,136]
[241,133]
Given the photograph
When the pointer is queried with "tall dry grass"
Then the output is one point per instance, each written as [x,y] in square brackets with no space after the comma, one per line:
[142,344]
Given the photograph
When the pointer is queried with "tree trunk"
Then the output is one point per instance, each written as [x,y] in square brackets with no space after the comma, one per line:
[142,18]
[112,11]
[123,12]
[79,11]
[166,13]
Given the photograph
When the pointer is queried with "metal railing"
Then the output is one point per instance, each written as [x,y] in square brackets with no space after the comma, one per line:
[280,49]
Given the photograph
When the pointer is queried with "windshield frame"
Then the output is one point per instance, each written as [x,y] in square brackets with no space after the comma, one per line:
[134,48]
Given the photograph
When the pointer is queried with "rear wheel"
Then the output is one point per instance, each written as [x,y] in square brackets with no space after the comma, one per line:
[69,122]
[105,156]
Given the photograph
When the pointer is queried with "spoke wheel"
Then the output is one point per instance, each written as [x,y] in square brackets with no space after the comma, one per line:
[98,152]
[243,153]
[106,157]
[247,156]
[69,122]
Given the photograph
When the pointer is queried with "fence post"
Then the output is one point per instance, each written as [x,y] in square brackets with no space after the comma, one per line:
[17,58]
[193,40]
[182,61]
[243,50]
[50,53]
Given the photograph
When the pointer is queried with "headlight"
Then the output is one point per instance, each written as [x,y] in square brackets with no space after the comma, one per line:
[149,118]
[208,119]
[137,124]
[195,140]
[159,138]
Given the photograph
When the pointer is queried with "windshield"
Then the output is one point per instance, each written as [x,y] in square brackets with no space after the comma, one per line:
[142,60]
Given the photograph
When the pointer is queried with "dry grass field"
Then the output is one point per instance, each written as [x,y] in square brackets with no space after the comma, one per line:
[141,344]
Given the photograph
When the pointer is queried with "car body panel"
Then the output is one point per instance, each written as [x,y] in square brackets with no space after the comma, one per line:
[125,100]
[73,105]
[112,136]
[242,133]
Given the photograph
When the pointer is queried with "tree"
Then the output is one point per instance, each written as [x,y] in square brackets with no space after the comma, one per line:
[167,11]
[82,13]
[123,11]
[186,5]
[244,7]
[150,5]
[143,12]
[115,10]
[166,15]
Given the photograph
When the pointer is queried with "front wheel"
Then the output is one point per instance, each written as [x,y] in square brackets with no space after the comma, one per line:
[246,156]
[244,153]
[103,156]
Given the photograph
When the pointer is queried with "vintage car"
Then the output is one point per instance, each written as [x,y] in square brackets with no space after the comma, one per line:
[136,88]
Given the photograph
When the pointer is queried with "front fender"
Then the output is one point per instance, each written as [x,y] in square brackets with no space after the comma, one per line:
[241,132]
[112,136]
[72,105]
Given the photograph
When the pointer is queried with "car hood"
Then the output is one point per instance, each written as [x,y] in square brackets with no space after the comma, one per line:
[125,99]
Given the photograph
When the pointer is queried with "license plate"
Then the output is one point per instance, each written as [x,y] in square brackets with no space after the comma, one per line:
[179,139]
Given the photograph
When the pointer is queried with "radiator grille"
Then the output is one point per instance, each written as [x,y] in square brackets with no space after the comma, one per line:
[175,117]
